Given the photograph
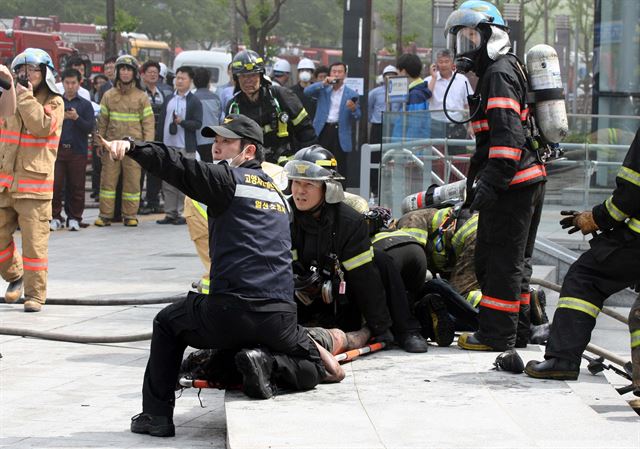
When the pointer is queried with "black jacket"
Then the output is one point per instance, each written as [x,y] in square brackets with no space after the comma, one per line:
[191,123]
[299,127]
[624,204]
[249,241]
[502,153]
[343,231]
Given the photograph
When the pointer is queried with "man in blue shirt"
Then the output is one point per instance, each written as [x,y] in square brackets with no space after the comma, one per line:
[378,105]
[71,163]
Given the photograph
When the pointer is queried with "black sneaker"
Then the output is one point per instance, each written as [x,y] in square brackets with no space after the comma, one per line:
[166,220]
[557,369]
[179,221]
[256,366]
[413,342]
[154,425]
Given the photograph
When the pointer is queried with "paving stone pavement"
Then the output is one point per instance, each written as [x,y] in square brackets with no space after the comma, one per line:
[68,395]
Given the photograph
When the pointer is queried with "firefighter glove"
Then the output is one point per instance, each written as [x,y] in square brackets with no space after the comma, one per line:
[484,196]
[578,221]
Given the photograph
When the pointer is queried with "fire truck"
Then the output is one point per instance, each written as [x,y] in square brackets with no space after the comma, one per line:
[13,42]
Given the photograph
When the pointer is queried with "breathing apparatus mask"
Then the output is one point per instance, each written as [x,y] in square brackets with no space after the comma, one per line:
[477,34]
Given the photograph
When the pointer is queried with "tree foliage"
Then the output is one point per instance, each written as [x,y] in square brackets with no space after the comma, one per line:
[259,17]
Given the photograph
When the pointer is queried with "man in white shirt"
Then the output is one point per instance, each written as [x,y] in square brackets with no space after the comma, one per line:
[441,74]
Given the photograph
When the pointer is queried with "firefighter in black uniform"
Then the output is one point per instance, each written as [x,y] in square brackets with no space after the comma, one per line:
[510,179]
[331,244]
[285,123]
[611,265]
[250,303]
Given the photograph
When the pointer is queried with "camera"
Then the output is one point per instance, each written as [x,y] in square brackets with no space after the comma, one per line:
[333,81]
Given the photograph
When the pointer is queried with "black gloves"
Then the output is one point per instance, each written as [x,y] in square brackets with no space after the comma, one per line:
[578,221]
[484,196]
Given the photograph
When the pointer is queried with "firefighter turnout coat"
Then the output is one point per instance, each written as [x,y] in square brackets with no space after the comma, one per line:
[506,229]
[28,147]
[125,111]
[610,265]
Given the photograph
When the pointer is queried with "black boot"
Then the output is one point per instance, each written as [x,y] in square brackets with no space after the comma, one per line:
[538,307]
[470,342]
[557,369]
[441,322]
[413,342]
[154,425]
[256,366]
[539,334]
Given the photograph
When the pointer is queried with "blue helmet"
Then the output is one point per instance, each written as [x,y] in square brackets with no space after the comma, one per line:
[41,58]
[473,13]
[35,56]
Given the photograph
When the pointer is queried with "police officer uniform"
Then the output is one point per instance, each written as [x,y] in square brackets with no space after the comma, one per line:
[249,305]
[610,265]
[285,122]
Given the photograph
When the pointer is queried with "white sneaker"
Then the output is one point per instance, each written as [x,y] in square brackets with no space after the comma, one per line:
[55,224]
[74,225]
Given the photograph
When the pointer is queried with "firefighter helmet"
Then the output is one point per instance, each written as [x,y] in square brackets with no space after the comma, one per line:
[41,58]
[132,63]
[316,163]
[247,61]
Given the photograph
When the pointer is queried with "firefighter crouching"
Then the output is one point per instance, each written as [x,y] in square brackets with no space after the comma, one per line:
[124,111]
[28,144]
[610,265]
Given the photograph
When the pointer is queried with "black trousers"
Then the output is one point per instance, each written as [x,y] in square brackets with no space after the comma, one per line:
[396,293]
[154,185]
[199,322]
[375,134]
[505,239]
[610,265]
[330,140]
[411,262]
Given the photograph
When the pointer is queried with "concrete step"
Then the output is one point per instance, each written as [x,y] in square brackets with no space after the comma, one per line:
[446,398]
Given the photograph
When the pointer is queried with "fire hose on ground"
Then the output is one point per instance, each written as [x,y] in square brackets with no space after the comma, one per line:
[91,339]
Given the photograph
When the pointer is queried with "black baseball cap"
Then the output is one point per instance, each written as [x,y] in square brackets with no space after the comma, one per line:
[235,126]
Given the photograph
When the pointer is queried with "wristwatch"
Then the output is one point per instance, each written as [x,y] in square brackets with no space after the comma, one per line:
[132,142]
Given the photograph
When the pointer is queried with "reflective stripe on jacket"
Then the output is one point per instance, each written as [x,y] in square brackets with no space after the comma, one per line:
[624,203]
[126,113]
[29,145]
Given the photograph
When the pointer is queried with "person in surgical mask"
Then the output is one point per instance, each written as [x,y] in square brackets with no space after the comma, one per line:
[306,67]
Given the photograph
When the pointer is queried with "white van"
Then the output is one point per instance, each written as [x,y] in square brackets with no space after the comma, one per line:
[215,61]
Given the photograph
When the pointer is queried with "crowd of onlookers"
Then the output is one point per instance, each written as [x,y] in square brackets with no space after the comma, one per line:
[183,103]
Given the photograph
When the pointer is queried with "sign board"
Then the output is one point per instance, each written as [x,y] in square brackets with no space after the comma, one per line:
[397,89]
[356,84]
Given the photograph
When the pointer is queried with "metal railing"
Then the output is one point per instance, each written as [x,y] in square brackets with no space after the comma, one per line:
[410,166]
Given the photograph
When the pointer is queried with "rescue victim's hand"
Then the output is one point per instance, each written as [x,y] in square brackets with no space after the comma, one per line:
[484,196]
[578,221]
[116,148]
